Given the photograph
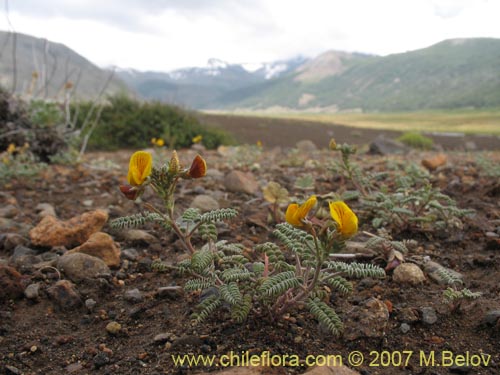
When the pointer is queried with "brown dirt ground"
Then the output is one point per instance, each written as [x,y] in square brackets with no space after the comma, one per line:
[287,132]
[40,338]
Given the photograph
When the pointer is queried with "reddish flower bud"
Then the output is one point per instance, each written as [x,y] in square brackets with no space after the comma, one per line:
[198,168]
[130,192]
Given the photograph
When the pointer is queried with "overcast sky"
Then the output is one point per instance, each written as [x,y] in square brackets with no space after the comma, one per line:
[164,35]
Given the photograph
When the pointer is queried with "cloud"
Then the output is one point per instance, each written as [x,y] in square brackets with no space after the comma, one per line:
[169,34]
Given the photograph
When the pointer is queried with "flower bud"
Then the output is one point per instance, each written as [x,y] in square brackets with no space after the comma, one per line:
[130,192]
[174,166]
[198,168]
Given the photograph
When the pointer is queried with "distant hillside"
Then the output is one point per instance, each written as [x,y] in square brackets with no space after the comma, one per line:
[43,68]
[205,87]
[452,74]
[456,73]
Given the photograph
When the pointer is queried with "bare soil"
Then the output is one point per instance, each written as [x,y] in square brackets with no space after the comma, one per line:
[40,337]
[274,132]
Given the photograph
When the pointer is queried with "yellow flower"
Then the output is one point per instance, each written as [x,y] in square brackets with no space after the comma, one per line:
[11,148]
[139,167]
[259,144]
[160,142]
[197,139]
[347,221]
[295,214]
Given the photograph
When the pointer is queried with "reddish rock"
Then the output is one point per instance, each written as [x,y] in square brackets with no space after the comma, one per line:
[10,283]
[241,182]
[64,294]
[101,245]
[53,232]
[435,162]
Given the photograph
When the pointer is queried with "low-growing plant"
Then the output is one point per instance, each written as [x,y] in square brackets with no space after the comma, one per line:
[163,180]
[404,199]
[267,282]
[416,140]
[279,279]
[18,162]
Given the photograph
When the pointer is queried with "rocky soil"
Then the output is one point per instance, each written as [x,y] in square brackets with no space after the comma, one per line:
[77,297]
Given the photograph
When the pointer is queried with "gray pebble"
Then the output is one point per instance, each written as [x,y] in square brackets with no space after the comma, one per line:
[31,291]
[130,254]
[90,304]
[429,315]
[405,328]
[133,296]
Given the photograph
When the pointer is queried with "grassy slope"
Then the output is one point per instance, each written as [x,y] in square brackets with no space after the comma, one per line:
[450,74]
[464,121]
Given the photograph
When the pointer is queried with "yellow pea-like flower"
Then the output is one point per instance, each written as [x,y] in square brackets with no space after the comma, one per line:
[347,221]
[295,214]
[139,169]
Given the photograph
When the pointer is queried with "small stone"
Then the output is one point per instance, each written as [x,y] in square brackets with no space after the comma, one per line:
[130,254]
[10,241]
[405,328]
[9,211]
[298,339]
[133,296]
[24,258]
[241,182]
[74,367]
[45,209]
[435,162]
[88,202]
[53,232]
[408,273]
[491,318]
[408,315]
[11,370]
[171,292]
[79,266]
[31,291]
[90,304]
[65,295]
[367,320]
[138,236]
[101,359]
[384,146]
[10,283]
[306,145]
[100,245]
[113,328]
[205,203]
[429,315]
[161,338]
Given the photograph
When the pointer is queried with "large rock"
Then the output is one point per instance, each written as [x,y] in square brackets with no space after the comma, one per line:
[53,232]
[102,246]
[79,266]
[241,182]
[205,203]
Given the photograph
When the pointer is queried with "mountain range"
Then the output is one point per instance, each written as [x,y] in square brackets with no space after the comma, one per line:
[455,73]
[37,68]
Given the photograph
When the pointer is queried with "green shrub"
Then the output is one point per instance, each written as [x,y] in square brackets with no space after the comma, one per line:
[416,140]
[128,123]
